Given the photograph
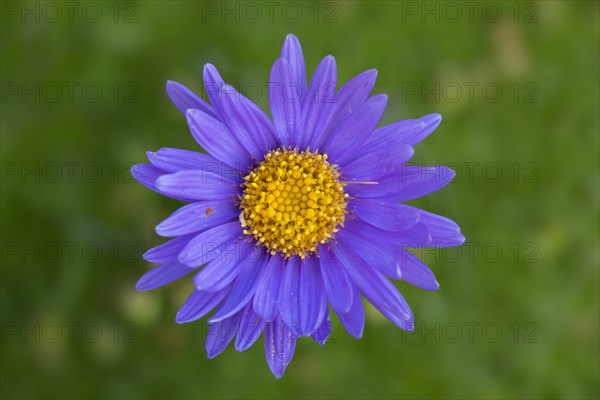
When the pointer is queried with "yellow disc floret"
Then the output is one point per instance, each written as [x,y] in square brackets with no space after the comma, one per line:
[292,202]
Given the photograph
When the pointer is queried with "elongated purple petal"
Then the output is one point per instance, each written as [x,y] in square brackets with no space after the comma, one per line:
[345,103]
[312,297]
[415,272]
[354,319]
[218,140]
[250,329]
[321,334]
[198,185]
[384,215]
[168,251]
[280,343]
[292,52]
[175,160]
[213,83]
[243,287]
[355,129]
[247,122]
[147,174]
[285,98]
[289,307]
[222,270]
[198,216]
[266,297]
[161,275]
[377,162]
[220,334]
[318,101]
[198,304]
[184,98]
[397,132]
[210,244]
[409,183]
[389,243]
[335,281]
[413,237]
[369,245]
[431,122]
[377,289]
[444,232]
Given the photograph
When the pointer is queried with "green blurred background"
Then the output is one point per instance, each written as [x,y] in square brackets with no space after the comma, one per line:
[83,98]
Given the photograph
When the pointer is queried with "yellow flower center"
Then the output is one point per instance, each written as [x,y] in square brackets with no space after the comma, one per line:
[292,202]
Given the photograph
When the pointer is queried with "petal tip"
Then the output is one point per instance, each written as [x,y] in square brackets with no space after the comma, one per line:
[141,284]
[451,173]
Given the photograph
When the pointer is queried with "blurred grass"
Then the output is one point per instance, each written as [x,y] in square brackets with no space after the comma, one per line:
[551,206]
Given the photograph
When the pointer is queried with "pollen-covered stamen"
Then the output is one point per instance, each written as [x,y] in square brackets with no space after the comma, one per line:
[292,202]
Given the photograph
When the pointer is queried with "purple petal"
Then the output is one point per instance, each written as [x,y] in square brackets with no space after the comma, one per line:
[397,132]
[388,242]
[368,243]
[335,281]
[175,160]
[292,52]
[409,183]
[280,343]
[243,287]
[345,102]
[161,275]
[212,85]
[376,162]
[355,129]
[383,215]
[198,185]
[321,334]
[209,244]
[250,329]
[198,216]
[354,319]
[217,140]
[221,271]
[312,298]
[318,101]
[377,289]
[289,307]
[168,251]
[444,232]
[285,98]
[247,122]
[220,334]
[199,304]
[413,237]
[266,297]
[415,272]
[431,122]
[184,98]
[147,175]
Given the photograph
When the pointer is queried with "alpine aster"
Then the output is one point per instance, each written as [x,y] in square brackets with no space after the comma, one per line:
[291,214]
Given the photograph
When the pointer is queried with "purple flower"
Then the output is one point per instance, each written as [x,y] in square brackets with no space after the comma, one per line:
[293,214]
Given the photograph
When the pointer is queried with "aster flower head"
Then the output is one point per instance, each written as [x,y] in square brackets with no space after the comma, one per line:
[292,216]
